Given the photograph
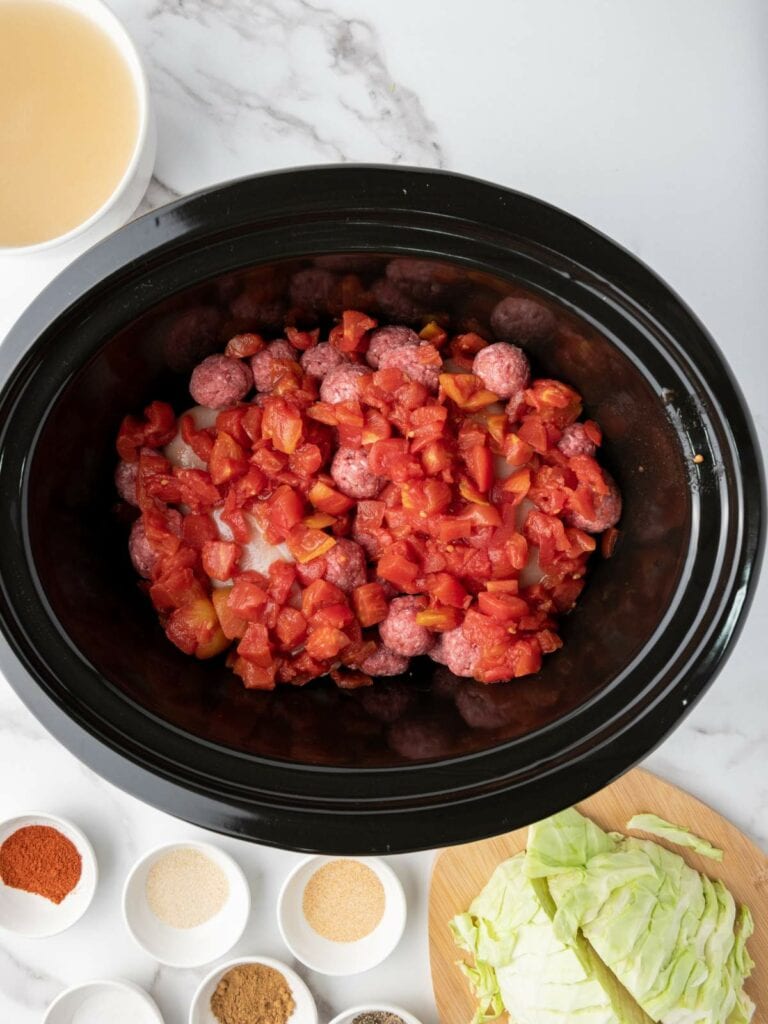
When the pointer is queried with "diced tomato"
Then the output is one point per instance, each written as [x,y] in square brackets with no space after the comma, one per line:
[176,588]
[200,441]
[252,418]
[439,619]
[328,499]
[306,543]
[517,485]
[436,458]
[318,594]
[232,422]
[291,628]
[282,576]
[533,432]
[323,412]
[398,566]
[232,626]
[255,645]
[434,334]
[500,606]
[242,346]
[464,348]
[156,429]
[428,496]
[220,558]
[352,335]
[302,340]
[517,452]
[286,510]
[467,391]
[376,428]
[391,460]
[282,425]
[337,615]
[256,677]
[195,629]
[325,642]
[198,528]
[479,462]
[469,492]
[554,401]
[370,603]
[446,590]
[247,599]
[503,586]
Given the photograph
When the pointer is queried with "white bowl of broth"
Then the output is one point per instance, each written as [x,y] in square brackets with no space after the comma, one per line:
[77,135]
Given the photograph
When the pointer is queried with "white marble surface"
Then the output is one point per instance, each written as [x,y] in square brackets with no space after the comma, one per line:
[648,120]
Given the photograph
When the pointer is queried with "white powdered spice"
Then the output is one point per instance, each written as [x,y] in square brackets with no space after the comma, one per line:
[185,888]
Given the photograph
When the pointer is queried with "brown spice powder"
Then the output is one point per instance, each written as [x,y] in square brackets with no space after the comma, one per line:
[344,901]
[39,859]
[252,994]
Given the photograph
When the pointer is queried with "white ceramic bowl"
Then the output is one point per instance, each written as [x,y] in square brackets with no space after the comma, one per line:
[133,184]
[349,1015]
[134,1000]
[339,958]
[186,947]
[305,1013]
[34,916]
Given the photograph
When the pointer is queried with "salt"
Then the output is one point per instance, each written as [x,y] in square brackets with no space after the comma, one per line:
[113,1008]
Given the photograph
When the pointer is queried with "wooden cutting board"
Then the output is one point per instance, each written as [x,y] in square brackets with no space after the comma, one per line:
[459,873]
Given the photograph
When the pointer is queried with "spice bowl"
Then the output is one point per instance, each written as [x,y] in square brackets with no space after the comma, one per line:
[186,903]
[33,915]
[382,1013]
[332,924]
[304,1011]
[97,1001]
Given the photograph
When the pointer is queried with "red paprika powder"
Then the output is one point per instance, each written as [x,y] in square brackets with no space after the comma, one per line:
[39,859]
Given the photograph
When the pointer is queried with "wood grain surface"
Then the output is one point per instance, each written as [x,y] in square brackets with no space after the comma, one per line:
[459,873]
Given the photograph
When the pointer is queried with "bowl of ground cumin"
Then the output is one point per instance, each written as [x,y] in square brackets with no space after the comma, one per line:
[253,990]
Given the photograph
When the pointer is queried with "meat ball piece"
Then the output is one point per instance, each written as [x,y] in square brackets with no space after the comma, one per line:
[386,338]
[401,633]
[219,382]
[311,289]
[341,384]
[395,305]
[576,441]
[262,364]
[406,358]
[522,320]
[385,662]
[141,551]
[345,565]
[321,359]
[352,474]
[423,280]
[192,336]
[607,510]
[502,368]
[251,311]
[455,652]
[126,474]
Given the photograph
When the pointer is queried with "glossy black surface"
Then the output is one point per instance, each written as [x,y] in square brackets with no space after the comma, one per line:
[427,759]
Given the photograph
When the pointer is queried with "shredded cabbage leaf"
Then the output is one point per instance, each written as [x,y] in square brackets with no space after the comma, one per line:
[680,835]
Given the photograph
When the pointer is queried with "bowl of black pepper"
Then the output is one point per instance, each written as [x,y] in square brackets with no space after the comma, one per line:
[376,1013]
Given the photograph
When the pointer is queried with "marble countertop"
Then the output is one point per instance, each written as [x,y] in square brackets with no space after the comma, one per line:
[646,120]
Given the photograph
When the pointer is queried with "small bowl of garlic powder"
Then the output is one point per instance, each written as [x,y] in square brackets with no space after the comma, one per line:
[186,904]
[341,915]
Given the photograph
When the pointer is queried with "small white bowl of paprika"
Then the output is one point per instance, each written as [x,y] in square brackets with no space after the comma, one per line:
[48,874]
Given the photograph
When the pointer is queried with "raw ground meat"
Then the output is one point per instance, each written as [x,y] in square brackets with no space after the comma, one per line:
[502,368]
[405,358]
[399,630]
[261,363]
[143,555]
[385,662]
[345,565]
[575,441]
[219,382]
[386,338]
[456,652]
[522,320]
[125,481]
[352,474]
[341,384]
[320,360]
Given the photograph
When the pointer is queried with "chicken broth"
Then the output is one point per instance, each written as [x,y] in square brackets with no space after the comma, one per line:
[68,120]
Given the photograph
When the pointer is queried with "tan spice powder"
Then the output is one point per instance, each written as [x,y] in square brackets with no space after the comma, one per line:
[185,888]
[252,994]
[344,901]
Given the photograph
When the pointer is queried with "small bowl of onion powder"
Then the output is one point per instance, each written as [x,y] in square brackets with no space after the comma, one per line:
[186,904]
[341,915]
